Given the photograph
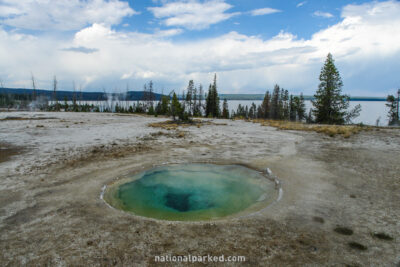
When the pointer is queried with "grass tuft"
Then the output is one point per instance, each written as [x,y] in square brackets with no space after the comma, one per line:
[331,130]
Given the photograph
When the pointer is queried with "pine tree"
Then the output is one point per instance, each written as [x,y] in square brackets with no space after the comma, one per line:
[176,108]
[392,114]
[275,103]
[301,108]
[165,100]
[266,106]
[285,104]
[212,100]
[253,111]
[260,113]
[215,107]
[209,102]
[330,106]
[225,110]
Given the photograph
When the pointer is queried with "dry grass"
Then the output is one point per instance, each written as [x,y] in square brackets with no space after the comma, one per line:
[332,130]
[173,125]
[175,134]
[166,125]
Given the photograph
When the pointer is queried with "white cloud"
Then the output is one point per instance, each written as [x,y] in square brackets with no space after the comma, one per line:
[62,14]
[323,14]
[243,63]
[301,4]
[264,11]
[168,33]
[192,14]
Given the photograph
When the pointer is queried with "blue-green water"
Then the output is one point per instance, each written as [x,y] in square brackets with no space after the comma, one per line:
[192,192]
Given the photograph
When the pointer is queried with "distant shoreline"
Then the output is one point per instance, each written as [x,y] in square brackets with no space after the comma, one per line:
[138,95]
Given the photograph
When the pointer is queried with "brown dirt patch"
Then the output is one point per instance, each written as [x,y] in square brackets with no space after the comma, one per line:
[8,151]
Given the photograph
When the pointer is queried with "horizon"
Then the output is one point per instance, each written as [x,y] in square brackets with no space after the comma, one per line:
[261,95]
[251,46]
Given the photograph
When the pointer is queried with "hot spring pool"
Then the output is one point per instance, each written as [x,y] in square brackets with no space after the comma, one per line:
[192,192]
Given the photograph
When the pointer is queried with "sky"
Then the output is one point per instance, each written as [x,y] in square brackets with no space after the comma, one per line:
[115,45]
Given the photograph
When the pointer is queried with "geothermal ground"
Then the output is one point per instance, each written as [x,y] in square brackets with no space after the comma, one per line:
[340,206]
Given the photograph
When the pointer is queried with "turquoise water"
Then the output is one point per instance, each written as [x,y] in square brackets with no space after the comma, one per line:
[193,192]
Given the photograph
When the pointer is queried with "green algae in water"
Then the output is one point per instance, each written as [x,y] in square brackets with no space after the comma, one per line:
[193,192]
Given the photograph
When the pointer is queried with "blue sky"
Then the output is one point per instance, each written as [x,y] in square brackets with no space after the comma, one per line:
[292,18]
[251,45]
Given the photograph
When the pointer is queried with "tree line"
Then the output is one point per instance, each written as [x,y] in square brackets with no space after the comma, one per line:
[329,105]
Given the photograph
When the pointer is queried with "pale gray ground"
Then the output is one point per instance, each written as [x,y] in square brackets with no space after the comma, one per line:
[51,212]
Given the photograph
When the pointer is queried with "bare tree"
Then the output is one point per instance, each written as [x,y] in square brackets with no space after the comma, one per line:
[127,96]
[80,94]
[74,95]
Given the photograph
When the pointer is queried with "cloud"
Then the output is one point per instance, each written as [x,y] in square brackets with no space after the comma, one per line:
[62,15]
[81,49]
[264,11]
[243,63]
[323,14]
[192,14]
[301,4]
[168,33]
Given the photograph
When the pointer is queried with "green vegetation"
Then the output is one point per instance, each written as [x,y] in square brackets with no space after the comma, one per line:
[330,106]
[212,101]
[276,106]
[393,105]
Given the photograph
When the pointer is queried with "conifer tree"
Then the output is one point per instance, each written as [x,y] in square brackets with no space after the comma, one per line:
[165,101]
[253,111]
[392,114]
[275,103]
[330,106]
[176,108]
[209,102]
[260,113]
[301,108]
[286,107]
[265,106]
[212,100]
[225,110]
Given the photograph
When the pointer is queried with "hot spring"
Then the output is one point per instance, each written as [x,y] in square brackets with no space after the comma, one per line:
[192,192]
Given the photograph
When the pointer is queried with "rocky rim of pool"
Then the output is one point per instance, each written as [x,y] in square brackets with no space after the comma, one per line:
[193,192]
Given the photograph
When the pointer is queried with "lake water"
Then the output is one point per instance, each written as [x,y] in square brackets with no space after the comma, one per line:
[371,111]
